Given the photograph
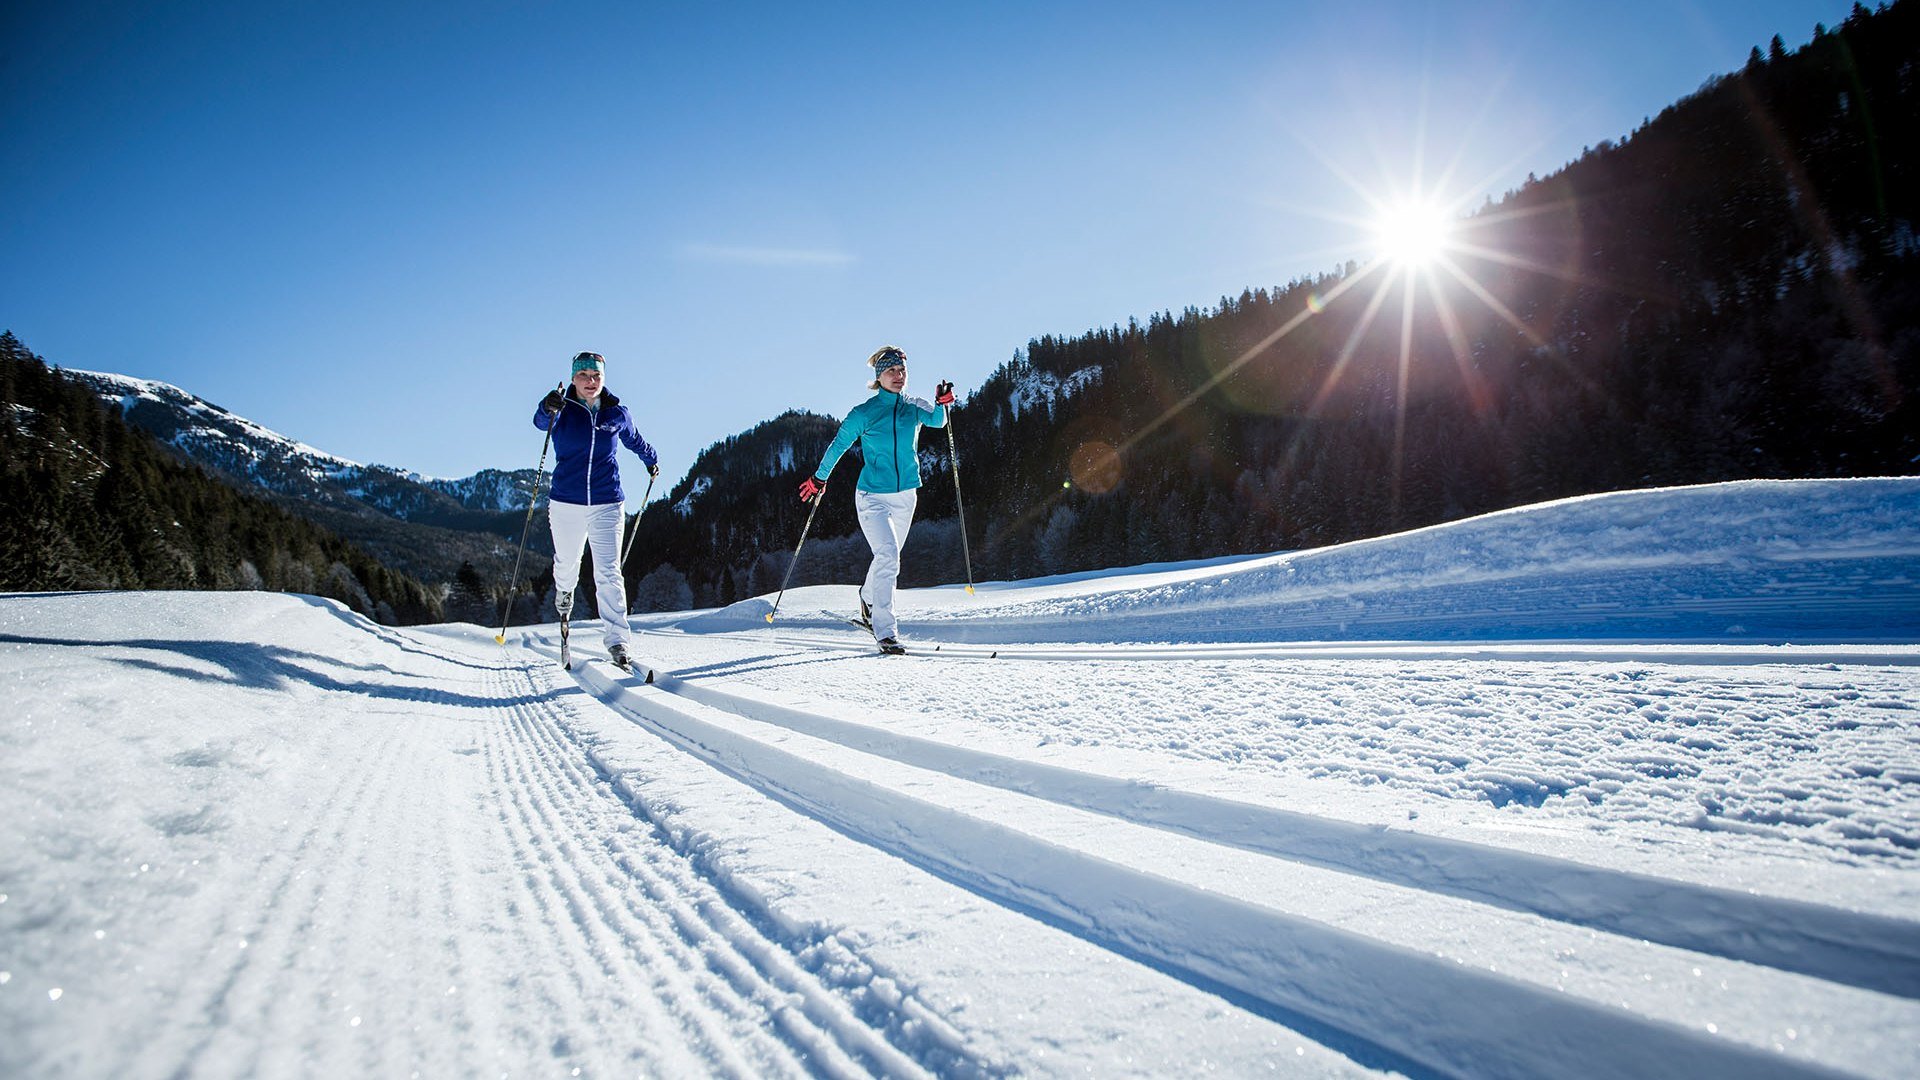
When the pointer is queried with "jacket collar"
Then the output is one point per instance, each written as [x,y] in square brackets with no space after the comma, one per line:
[606,397]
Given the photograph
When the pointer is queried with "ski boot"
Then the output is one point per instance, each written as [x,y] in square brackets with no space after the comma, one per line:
[892,647]
[621,658]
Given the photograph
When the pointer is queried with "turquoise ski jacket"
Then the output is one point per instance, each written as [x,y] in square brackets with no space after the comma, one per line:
[887,426]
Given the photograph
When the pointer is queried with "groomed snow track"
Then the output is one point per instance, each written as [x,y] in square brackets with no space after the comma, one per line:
[1425,950]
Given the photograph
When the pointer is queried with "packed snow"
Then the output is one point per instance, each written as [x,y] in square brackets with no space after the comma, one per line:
[1623,785]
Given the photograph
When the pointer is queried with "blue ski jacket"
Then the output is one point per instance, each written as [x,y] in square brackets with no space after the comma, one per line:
[584,441]
[887,426]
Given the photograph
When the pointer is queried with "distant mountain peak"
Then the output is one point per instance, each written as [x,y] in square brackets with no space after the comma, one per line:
[231,444]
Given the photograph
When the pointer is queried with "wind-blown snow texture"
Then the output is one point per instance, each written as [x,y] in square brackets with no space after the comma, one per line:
[1627,785]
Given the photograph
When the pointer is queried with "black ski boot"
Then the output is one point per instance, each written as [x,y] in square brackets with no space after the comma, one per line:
[621,658]
[892,647]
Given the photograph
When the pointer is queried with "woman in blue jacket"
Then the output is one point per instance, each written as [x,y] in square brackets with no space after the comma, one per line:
[887,426]
[586,505]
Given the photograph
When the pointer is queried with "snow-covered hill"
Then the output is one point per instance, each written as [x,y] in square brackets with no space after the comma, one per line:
[1753,561]
[238,447]
[1544,809]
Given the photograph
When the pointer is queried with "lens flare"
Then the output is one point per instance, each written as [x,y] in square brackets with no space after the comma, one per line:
[1412,233]
[1095,467]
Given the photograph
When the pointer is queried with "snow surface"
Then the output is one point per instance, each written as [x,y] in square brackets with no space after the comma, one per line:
[1627,785]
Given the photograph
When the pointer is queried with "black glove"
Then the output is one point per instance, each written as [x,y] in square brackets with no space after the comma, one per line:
[943,394]
[553,403]
[653,471]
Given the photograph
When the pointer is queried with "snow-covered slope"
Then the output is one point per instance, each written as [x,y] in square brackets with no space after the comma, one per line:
[256,835]
[1755,561]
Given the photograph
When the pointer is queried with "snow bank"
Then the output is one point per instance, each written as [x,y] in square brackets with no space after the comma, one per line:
[1753,561]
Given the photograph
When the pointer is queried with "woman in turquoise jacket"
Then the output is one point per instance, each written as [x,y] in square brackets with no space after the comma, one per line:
[887,426]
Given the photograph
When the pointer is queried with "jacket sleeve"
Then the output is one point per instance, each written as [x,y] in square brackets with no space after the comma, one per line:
[930,415]
[540,418]
[631,436]
[850,429]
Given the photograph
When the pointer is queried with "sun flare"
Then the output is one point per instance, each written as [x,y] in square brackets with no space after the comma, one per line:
[1413,233]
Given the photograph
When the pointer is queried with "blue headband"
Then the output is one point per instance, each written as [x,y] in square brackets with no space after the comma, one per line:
[890,360]
[589,361]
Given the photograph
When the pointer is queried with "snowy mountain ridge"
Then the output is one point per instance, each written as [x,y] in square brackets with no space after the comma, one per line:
[232,444]
[1036,389]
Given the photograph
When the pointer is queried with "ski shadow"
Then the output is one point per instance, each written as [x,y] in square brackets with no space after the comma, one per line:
[272,668]
[770,662]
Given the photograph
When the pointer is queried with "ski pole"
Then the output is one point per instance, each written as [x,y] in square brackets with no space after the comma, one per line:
[628,554]
[817,500]
[539,474]
[953,458]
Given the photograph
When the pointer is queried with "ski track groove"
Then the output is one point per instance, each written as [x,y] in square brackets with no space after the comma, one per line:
[536,900]
[705,932]
[569,920]
[635,918]
[620,936]
[1873,951]
[868,812]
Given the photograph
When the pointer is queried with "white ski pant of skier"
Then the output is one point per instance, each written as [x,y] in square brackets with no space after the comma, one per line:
[598,527]
[885,519]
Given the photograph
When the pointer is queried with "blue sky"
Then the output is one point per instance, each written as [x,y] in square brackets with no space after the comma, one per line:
[383,229]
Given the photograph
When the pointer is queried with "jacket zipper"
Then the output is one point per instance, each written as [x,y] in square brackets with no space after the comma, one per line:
[593,441]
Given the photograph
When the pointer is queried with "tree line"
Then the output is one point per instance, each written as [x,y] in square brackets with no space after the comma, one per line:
[89,502]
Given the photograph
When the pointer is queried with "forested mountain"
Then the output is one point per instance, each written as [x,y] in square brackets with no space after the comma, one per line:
[89,502]
[423,526]
[1729,292]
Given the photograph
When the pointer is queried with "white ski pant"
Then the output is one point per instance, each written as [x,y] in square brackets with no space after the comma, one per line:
[885,519]
[599,527]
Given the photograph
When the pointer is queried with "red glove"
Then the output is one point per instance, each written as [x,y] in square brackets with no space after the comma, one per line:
[811,488]
[943,394]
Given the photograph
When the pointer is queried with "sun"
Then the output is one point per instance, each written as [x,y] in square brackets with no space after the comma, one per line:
[1412,233]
